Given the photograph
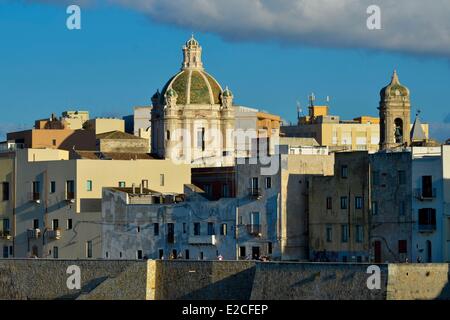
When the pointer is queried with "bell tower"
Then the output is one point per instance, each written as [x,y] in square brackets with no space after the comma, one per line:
[395,115]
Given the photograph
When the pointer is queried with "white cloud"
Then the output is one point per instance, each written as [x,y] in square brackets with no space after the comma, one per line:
[410,26]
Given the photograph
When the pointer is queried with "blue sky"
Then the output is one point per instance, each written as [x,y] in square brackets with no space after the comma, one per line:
[122,55]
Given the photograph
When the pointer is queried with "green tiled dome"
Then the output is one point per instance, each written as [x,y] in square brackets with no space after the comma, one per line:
[194,87]
[395,88]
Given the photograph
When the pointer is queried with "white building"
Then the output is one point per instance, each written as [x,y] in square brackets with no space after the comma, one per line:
[140,224]
[428,205]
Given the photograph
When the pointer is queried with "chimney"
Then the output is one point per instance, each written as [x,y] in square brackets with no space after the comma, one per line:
[142,188]
[134,188]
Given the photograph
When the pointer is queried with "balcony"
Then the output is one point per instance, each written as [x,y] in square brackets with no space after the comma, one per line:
[425,195]
[202,240]
[255,193]
[54,234]
[34,233]
[5,235]
[427,228]
[254,229]
[34,197]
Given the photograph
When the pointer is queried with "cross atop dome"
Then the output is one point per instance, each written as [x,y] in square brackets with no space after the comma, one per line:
[192,55]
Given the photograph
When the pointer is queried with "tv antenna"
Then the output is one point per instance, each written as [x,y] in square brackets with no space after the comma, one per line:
[312,98]
[299,110]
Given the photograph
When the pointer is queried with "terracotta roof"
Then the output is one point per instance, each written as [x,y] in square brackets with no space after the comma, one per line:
[116,135]
[96,155]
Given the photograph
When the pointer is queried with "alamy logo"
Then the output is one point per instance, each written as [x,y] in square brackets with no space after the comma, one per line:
[74,20]
[374,19]
[74,280]
[374,280]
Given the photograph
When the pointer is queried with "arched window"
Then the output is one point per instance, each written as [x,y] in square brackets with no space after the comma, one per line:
[398,130]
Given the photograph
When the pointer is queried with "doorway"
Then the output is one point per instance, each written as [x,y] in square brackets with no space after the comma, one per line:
[255,253]
[377,251]
[429,251]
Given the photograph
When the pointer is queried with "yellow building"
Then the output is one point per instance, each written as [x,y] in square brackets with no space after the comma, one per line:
[362,133]
[58,206]
[6,203]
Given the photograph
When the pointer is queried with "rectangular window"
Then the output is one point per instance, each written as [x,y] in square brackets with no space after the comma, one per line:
[359,233]
[358,202]
[268,182]
[55,224]
[329,203]
[427,219]
[196,228]
[201,139]
[161,180]
[329,233]
[401,177]
[186,254]
[254,183]
[36,190]
[156,229]
[6,225]
[374,208]
[5,251]
[254,218]
[52,186]
[89,185]
[35,223]
[344,171]
[402,246]
[5,191]
[375,178]
[170,233]
[242,253]
[343,202]
[184,227]
[89,249]
[54,142]
[223,229]
[211,229]
[402,208]
[139,254]
[122,184]
[269,248]
[55,253]
[69,224]
[344,233]
[70,189]
[427,186]
[161,253]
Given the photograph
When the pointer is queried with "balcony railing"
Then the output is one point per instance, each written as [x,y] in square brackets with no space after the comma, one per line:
[35,197]
[254,229]
[54,234]
[70,196]
[255,193]
[5,234]
[34,233]
[427,227]
[422,194]
[202,240]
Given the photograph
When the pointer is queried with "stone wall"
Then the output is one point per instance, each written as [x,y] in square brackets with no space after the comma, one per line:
[224,280]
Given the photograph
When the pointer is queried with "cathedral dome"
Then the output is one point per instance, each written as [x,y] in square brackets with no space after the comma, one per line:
[193,84]
[394,89]
[194,87]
